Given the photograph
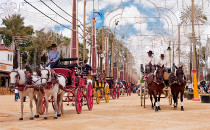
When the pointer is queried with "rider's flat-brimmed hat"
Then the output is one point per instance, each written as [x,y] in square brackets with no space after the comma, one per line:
[53,45]
[150,52]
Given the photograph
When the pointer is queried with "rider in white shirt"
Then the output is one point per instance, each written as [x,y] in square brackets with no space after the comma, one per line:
[149,62]
[164,61]
[150,59]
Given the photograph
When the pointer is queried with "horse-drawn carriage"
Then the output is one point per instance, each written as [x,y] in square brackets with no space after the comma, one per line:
[100,88]
[149,71]
[127,88]
[170,84]
[78,86]
[114,89]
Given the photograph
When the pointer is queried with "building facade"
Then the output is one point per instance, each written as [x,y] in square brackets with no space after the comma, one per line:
[6,64]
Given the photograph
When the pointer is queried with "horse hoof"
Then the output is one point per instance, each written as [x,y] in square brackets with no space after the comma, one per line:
[182,109]
[36,116]
[67,104]
[59,115]
[175,106]
[31,118]
[45,118]
[55,117]
[156,110]
[159,108]
[20,119]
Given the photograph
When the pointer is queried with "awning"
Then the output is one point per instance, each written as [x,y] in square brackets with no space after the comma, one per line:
[3,74]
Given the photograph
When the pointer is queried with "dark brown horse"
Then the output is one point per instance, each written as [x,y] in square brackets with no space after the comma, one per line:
[177,83]
[155,85]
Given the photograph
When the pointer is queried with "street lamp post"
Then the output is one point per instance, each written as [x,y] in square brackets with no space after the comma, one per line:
[84,34]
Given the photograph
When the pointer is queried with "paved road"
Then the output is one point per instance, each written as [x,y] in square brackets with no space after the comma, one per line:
[124,113]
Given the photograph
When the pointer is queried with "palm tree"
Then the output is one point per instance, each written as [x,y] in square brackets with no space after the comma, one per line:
[200,17]
[15,29]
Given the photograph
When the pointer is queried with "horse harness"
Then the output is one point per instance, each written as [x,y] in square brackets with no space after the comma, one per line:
[28,81]
[51,84]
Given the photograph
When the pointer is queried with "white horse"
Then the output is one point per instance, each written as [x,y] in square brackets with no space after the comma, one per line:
[18,78]
[51,83]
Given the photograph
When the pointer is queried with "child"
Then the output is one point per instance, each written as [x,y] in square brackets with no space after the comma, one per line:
[16,94]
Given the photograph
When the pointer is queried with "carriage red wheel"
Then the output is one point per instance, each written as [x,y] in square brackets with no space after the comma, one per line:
[89,97]
[118,92]
[78,101]
[114,93]
[42,106]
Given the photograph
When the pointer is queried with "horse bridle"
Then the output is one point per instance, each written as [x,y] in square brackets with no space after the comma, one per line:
[17,77]
[48,75]
[183,76]
[157,76]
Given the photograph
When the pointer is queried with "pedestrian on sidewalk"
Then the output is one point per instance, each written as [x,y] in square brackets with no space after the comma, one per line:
[16,94]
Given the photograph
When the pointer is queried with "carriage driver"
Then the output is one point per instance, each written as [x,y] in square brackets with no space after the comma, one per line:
[53,56]
[149,63]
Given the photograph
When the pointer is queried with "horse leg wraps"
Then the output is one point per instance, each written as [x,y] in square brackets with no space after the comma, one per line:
[157,104]
[181,103]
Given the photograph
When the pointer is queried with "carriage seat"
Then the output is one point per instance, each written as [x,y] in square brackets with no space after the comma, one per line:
[68,59]
[66,66]
[65,72]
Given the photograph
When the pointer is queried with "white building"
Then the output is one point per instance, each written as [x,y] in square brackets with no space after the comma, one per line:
[6,63]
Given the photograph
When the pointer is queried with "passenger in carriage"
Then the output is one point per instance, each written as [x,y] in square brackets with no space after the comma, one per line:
[149,63]
[86,68]
[53,56]
[163,61]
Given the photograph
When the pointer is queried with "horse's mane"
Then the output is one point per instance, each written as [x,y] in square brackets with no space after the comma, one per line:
[22,76]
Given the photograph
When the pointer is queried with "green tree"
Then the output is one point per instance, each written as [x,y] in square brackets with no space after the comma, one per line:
[14,31]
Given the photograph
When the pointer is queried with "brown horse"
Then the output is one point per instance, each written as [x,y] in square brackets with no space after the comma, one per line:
[177,83]
[155,85]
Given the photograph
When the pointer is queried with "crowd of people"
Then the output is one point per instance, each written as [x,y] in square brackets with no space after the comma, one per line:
[203,87]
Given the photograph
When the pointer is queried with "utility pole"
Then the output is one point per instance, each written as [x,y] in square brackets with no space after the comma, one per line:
[107,56]
[84,33]
[195,84]
[102,43]
[169,49]
[179,42]
[112,60]
[74,42]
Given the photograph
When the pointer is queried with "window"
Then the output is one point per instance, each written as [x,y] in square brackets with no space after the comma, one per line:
[10,57]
